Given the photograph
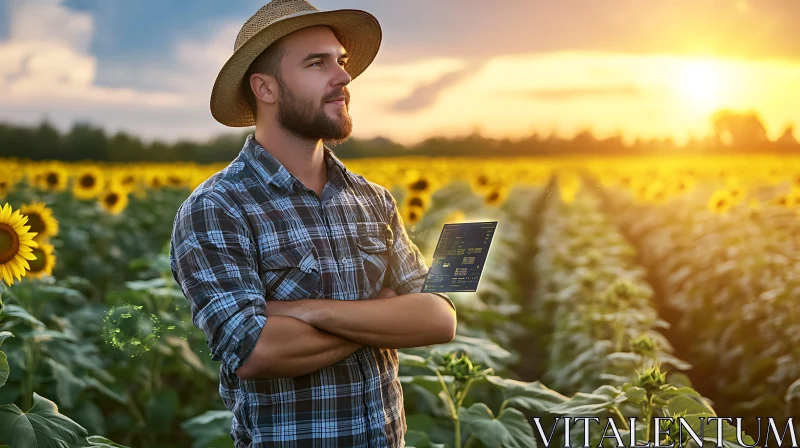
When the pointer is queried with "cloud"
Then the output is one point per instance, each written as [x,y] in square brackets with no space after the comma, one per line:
[46,70]
[423,96]
[574,93]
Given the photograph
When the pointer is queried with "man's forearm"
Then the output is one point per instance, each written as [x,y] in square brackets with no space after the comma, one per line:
[409,320]
[288,347]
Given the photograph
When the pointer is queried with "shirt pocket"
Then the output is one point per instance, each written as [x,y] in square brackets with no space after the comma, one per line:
[292,274]
[374,242]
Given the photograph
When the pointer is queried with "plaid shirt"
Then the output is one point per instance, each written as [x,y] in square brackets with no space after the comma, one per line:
[253,233]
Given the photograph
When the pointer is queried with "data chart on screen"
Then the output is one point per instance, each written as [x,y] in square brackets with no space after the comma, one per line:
[459,257]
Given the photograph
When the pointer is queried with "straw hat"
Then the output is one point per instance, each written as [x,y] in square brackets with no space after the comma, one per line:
[358,31]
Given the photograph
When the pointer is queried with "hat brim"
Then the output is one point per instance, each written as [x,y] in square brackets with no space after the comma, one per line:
[358,31]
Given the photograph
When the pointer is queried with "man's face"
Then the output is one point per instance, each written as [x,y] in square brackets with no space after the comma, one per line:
[309,87]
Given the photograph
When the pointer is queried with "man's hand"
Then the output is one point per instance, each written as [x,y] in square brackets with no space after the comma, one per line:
[385,293]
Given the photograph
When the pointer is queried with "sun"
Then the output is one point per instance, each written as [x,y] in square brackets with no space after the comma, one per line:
[700,83]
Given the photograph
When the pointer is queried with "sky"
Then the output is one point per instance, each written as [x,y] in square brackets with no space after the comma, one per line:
[507,68]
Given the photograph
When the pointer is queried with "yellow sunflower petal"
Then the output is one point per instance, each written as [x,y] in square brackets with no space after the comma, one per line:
[28,256]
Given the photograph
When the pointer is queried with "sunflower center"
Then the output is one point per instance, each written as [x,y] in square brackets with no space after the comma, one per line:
[40,262]
[87,181]
[417,202]
[9,243]
[36,222]
[52,179]
[420,185]
[112,199]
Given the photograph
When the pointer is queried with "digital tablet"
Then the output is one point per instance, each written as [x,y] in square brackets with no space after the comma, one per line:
[459,257]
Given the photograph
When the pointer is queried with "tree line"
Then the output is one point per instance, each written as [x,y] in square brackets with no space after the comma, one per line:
[732,132]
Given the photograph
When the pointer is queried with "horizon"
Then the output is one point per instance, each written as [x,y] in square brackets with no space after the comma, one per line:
[649,71]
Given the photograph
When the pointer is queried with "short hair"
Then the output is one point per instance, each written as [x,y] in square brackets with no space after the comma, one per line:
[267,63]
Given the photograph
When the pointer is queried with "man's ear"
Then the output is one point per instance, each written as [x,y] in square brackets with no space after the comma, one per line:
[265,88]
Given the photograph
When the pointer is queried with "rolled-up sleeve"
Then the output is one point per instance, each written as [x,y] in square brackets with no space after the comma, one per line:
[213,259]
[407,268]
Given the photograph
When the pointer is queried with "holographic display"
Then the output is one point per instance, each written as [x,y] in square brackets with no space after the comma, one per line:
[459,257]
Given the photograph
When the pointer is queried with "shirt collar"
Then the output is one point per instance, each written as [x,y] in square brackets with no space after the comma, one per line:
[272,171]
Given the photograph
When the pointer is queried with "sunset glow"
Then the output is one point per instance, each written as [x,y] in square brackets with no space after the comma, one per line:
[702,84]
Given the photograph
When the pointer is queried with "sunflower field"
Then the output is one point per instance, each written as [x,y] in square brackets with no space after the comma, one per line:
[616,287]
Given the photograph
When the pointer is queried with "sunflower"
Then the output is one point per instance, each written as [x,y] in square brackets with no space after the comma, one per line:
[88,183]
[53,178]
[420,200]
[40,219]
[16,245]
[682,185]
[126,180]
[793,198]
[155,179]
[7,181]
[421,185]
[176,180]
[480,182]
[412,215]
[496,196]
[44,261]
[114,200]
[720,202]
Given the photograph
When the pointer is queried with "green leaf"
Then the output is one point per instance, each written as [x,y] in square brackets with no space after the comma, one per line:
[102,388]
[417,439]
[793,392]
[47,335]
[99,441]
[602,399]
[672,391]
[68,386]
[41,426]
[412,360]
[624,358]
[207,428]
[667,359]
[420,422]
[430,382]
[480,351]
[531,397]
[20,313]
[636,395]
[146,284]
[510,430]
[89,415]
[690,405]
[4,335]
[4,370]
[161,408]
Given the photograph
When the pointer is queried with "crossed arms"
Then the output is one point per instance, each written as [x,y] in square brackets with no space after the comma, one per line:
[213,253]
[303,336]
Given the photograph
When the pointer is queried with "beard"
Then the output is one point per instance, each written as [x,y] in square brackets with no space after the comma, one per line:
[309,121]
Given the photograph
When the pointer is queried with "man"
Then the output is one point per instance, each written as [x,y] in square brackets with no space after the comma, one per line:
[299,272]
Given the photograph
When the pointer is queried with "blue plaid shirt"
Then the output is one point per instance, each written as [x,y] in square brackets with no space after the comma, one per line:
[253,233]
